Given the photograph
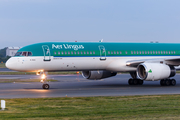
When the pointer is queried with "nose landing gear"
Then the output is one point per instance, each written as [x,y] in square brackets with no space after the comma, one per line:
[44,81]
[45,86]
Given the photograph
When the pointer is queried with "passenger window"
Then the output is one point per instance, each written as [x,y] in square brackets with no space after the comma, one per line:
[87,52]
[59,53]
[142,52]
[75,53]
[78,53]
[93,52]
[62,53]
[65,52]
[84,52]
[117,52]
[126,52]
[71,53]
[108,52]
[120,52]
[111,52]
[114,52]
[81,53]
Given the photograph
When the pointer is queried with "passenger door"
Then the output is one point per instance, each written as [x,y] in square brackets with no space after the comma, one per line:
[47,53]
[102,52]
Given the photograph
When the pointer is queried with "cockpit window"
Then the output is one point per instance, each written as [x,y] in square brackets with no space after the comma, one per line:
[23,54]
[18,54]
[29,53]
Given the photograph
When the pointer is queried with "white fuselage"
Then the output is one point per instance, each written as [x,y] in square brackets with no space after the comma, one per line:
[36,64]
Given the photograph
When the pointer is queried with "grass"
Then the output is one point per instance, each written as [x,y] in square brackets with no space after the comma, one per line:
[2,65]
[24,80]
[164,107]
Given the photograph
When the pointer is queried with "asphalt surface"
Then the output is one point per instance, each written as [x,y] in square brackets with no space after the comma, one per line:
[6,70]
[77,86]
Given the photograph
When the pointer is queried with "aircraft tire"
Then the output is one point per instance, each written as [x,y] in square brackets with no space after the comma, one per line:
[162,82]
[173,82]
[135,81]
[131,81]
[167,82]
[45,86]
[140,82]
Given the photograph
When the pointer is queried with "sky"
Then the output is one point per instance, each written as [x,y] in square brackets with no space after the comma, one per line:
[24,22]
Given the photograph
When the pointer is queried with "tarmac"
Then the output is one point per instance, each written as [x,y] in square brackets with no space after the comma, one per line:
[77,86]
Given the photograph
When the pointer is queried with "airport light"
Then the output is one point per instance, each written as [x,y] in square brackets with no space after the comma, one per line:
[3,104]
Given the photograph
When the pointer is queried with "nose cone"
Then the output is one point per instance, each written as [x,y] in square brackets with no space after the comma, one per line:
[11,64]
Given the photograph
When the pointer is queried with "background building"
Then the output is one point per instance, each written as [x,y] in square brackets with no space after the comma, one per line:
[11,51]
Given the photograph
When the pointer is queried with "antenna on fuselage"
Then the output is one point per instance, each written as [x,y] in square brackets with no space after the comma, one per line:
[101,40]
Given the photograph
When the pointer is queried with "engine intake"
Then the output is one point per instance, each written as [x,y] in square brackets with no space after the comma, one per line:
[155,71]
[97,75]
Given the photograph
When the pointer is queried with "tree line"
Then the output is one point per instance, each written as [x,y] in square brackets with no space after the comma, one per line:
[3,57]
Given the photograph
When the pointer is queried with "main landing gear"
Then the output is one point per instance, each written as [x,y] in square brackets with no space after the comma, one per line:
[135,82]
[168,82]
[44,81]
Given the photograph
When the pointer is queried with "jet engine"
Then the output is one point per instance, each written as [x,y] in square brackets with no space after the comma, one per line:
[97,75]
[155,71]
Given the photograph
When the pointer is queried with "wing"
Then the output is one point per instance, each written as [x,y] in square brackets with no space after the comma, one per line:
[169,61]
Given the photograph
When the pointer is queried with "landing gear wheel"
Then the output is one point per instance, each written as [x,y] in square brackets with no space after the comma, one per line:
[131,81]
[162,82]
[140,82]
[167,82]
[45,86]
[135,81]
[173,82]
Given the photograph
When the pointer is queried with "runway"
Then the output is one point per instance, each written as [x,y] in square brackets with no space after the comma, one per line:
[77,86]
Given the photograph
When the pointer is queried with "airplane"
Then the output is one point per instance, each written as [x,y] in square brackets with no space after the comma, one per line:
[99,60]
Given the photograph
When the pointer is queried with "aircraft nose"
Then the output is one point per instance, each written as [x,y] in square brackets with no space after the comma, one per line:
[11,64]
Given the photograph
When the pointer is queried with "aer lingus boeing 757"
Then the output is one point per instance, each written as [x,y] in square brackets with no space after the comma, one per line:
[144,61]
